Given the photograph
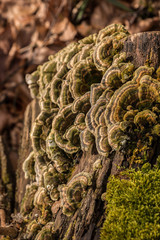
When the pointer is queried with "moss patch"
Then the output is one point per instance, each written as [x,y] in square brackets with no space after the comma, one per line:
[133,206]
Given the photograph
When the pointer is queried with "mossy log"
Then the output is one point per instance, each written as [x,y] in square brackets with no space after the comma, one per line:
[87,220]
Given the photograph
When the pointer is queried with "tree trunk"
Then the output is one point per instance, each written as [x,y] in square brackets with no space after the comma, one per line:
[86,222]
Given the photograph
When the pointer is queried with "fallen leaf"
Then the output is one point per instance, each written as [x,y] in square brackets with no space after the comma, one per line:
[42,12]
[84,29]
[69,33]
[59,27]
[145,25]
[41,54]
[102,14]
[4,45]
[14,49]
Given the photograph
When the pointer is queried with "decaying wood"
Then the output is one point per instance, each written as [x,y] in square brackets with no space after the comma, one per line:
[9,231]
[85,224]
[6,185]
[143,47]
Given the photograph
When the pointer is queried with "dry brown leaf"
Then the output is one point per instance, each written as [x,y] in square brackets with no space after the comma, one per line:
[69,33]
[145,25]
[24,35]
[42,30]
[84,29]
[51,40]
[34,38]
[59,27]
[2,25]
[42,12]
[41,54]
[14,49]
[148,24]
[20,16]
[102,14]
[105,14]
[4,45]
[16,78]
[98,18]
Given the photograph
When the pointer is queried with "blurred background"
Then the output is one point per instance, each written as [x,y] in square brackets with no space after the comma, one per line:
[31,30]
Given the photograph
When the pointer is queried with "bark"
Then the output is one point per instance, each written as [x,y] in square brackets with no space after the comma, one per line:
[9,231]
[142,47]
[26,147]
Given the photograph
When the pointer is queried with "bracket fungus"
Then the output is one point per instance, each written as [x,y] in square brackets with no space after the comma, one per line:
[90,94]
[74,191]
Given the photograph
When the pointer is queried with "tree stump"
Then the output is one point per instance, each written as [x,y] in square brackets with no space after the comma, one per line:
[86,222]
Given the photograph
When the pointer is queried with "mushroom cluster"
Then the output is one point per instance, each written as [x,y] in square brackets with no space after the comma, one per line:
[89,94]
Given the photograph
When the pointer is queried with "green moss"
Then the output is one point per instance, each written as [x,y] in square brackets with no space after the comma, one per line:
[133,206]
[156,130]
[158,161]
